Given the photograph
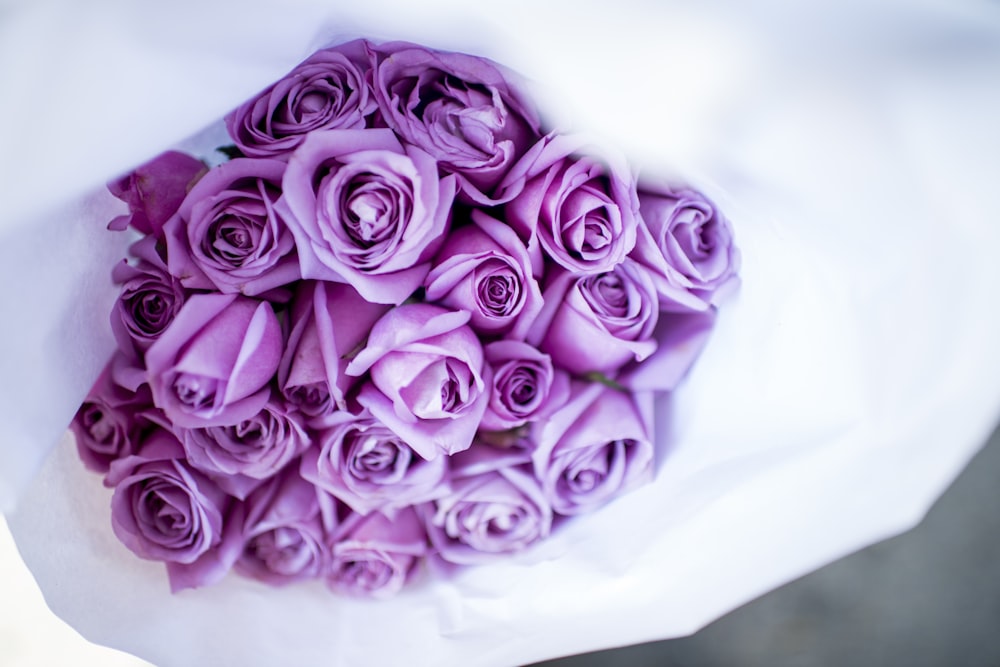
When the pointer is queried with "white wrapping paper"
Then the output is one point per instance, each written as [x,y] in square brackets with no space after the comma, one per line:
[855,149]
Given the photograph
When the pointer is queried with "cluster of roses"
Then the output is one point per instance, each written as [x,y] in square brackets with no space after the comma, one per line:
[400,322]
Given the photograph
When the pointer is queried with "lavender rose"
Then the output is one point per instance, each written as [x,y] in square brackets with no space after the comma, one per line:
[593,449]
[374,556]
[149,301]
[155,190]
[228,236]
[368,467]
[465,111]
[495,507]
[485,269]
[329,90]
[366,210]
[284,534]
[164,510]
[687,245]
[428,381]
[329,323]
[212,365]
[525,385]
[109,423]
[582,210]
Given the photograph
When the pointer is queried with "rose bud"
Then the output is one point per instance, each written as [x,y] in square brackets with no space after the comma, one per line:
[284,538]
[688,247]
[329,90]
[367,467]
[227,236]
[593,449]
[329,323]
[525,385]
[155,190]
[484,268]
[428,381]
[212,365]
[582,210]
[366,210]
[374,555]
[465,111]
[164,510]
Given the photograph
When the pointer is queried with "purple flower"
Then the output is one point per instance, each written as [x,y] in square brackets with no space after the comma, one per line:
[227,236]
[485,269]
[366,210]
[284,535]
[599,322]
[373,555]
[149,301]
[428,382]
[582,210]
[155,190]
[329,90]
[687,245]
[495,507]
[329,324]
[164,510]
[525,385]
[368,467]
[463,110]
[212,365]
[593,449]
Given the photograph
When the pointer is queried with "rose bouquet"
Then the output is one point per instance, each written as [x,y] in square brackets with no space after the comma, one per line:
[403,319]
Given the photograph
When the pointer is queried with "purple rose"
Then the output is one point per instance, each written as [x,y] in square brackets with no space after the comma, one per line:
[525,385]
[155,190]
[484,268]
[687,245]
[329,323]
[164,510]
[367,467]
[109,422]
[599,322]
[212,365]
[366,210]
[593,449]
[227,236]
[582,210]
[284,534]
[257,447]
[428,381]
[149,301]
[495,507]
[463,110]
[374,556]
[329,90]
[680,338]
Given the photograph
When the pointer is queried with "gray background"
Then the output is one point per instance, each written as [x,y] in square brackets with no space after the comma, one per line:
[928,597]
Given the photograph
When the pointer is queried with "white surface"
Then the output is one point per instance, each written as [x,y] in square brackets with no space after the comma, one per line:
[855,147]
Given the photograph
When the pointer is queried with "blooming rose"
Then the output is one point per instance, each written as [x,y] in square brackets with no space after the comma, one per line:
[525,385]
[284,536]
[495,507]
[329,90]
[596,447]
[164,510]
[366,210]
[155,190]
[228,236]
[687,245]
[373,555]
[329,322]
[582,210]
[484,268]
[428,382]
[212,365]
[149,301]
[463,110]
[599,322]
[368,467]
